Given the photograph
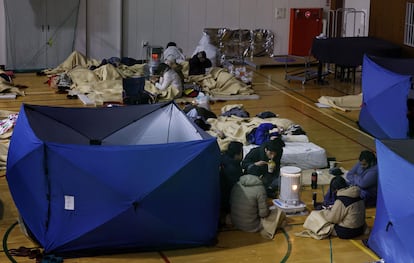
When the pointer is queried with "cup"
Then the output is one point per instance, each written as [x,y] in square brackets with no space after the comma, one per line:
[271,167]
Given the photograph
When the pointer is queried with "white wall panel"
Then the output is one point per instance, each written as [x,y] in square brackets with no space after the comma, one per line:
[215,13]
[129,29]
[248,13]
[196,23]
[162,22]
[103,29]
[145,11]
[181,21]
[2,34]
[81,34]
[231,11]
[264,14]
[180,25]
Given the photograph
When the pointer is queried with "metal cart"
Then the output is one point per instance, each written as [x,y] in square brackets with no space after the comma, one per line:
[301,73]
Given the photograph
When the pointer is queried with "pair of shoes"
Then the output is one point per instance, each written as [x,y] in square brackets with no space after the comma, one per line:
[25,252]
[20,252]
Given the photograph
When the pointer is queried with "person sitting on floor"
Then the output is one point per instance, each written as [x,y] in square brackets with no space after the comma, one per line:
[199,63]
[230,172]
[257,160]
[212,52]
[178,68]
[364,174]
[249,210]
[168,81]
[347,212]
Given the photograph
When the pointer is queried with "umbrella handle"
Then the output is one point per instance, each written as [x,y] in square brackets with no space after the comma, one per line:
[388,225]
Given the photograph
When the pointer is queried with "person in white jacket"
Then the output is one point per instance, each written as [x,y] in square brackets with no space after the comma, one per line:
[173,53]
[169,79]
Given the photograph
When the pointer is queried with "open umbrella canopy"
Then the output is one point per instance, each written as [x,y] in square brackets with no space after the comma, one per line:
[134,174]
[384,100]
[392,237]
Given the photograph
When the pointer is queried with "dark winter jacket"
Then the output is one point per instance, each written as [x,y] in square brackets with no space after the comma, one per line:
[230,172]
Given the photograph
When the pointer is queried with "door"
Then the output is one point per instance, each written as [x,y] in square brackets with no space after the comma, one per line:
[62,18]
[25,26]
[305,25]
[39,33]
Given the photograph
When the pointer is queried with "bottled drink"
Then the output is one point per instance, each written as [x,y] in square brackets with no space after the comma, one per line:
[271,166]
[314,180]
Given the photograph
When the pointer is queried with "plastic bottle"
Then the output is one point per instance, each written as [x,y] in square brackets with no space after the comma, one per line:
[271,166]
[314,199]
[314,180]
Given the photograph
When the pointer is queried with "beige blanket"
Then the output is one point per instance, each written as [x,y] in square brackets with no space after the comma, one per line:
[219,82]
[8,88]
[344,103]
[105,82]
[5,139]
[272,222]
[234,128]
[73,60]
[316,226]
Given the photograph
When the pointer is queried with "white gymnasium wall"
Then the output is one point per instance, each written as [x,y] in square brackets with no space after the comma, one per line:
[183,21]
[103,28]
[2,34]
[118,27]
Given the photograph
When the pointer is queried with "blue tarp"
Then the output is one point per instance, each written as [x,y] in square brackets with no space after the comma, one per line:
[384,98]
[392,236]
[139,177]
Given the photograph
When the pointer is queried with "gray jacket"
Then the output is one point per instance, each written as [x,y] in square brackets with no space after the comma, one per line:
[248,203]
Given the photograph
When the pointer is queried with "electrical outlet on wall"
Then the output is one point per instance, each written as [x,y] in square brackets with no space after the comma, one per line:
[280,13]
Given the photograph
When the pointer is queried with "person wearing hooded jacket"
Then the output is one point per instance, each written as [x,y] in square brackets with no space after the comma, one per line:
[248,203]
[348,211]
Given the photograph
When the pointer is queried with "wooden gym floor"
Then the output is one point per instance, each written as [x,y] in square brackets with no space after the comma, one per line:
[336,131]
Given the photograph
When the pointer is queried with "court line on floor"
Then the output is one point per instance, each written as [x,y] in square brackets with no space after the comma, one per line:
[317,109]
[336,130]
[289,248]
[283,90]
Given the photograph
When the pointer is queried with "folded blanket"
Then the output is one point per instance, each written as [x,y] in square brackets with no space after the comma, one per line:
[272,222]
[344,103]
[316,226]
